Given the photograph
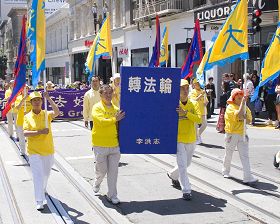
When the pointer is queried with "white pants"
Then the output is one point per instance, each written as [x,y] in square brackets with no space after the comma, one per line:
[21,139]
[184,158]
[107,162]
[203,126]
[41,169]
[233,141]
[10,123]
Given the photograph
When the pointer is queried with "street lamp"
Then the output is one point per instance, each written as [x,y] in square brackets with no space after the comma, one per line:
[94,12]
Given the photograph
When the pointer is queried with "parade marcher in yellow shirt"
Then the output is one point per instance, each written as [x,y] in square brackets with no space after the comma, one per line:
[105,142]
[199,95]
[116,84]
[40,147]
[188,118]
[234,128]
[91,97]
[10,115]
[23,106]
[50,86]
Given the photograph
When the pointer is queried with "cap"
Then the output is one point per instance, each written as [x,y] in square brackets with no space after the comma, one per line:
[11,81]
[116,75]
[234,92]
[194,81]
[35,95]
[184,82]
[50,83]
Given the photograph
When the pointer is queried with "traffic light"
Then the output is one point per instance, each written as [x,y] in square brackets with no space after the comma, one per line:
[256,21]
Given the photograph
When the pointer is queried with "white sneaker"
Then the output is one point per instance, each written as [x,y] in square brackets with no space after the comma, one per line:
[269,122]
[114,200]
[226,176]
[199,140]
[251,181]
[275,123]
[96,188]
[40,205]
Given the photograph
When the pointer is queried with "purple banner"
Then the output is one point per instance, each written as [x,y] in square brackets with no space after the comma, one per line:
[70,103]
[2,103]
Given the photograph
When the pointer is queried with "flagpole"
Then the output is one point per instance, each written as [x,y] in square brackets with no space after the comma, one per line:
[245,104]
[24,95]
[45,99]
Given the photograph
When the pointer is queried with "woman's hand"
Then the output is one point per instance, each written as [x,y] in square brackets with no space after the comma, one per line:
[120,115]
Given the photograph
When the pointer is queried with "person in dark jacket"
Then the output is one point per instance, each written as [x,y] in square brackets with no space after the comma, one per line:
[211,96]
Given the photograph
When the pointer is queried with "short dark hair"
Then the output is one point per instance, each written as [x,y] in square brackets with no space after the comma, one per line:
[210,78]
[104,87]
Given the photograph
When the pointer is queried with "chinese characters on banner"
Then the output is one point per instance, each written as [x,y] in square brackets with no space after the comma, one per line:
[69,102]
[149,97]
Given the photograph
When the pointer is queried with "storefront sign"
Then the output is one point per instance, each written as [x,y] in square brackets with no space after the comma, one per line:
[149,97]
[88,43]
[221,11]
[122,52]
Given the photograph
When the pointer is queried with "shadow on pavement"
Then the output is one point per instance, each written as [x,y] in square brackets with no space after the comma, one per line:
[200,203]
[73,213]
[212,146]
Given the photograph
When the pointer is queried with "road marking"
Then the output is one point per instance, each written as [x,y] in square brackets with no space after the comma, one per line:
[263,146]
[79,157]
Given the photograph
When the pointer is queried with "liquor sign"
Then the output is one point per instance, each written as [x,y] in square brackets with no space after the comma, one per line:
[88,43]
[221,11]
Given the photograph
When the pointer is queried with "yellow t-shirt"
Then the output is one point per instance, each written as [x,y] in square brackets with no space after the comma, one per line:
[233,124]
[20,116]
[39,144]
[201,102]
[104,131]
[186,126]
[8,93]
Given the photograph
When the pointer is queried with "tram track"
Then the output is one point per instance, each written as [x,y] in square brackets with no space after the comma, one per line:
[80,185]
[250,208]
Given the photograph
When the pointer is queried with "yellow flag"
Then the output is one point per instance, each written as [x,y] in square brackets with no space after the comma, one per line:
[104,42]
[102,46]
[271,63]
[232,40]
[37,36]
[164,53]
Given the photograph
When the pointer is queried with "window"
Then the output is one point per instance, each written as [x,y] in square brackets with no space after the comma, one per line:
[140,57]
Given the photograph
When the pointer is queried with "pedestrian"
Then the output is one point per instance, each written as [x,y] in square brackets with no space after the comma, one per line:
[235,117]
[269,99]
[116,84]
[23,106]
[211,96]
[250,92]
[232,83]
[50,86]
[189,116]
[10,115]
[223,104]
[276,160]
[40,147]
[105,142]
[199,95]
[91,97]
[277,103]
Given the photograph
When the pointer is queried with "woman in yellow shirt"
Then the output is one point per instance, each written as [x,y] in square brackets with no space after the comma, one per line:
[199,95]
[105,142]
[23,106]
[234,120]
[40,146]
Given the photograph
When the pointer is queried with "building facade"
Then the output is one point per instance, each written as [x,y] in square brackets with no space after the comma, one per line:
[57,54]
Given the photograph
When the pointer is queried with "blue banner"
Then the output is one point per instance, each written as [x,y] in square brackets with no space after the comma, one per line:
[149,97]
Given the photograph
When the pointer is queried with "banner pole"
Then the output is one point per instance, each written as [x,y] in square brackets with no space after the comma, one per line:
[24,95]
[245,105]
[45,99]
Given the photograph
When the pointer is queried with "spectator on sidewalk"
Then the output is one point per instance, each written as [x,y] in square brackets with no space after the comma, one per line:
[232,83]
[91,97]
[250,92]
[269,100]
[105,142]
[199,95]
[277,103]
[189,116]
[235,117]
[223,104]
[40,146]
[211,96]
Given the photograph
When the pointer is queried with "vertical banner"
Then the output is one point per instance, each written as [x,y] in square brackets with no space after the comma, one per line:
[149,97]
